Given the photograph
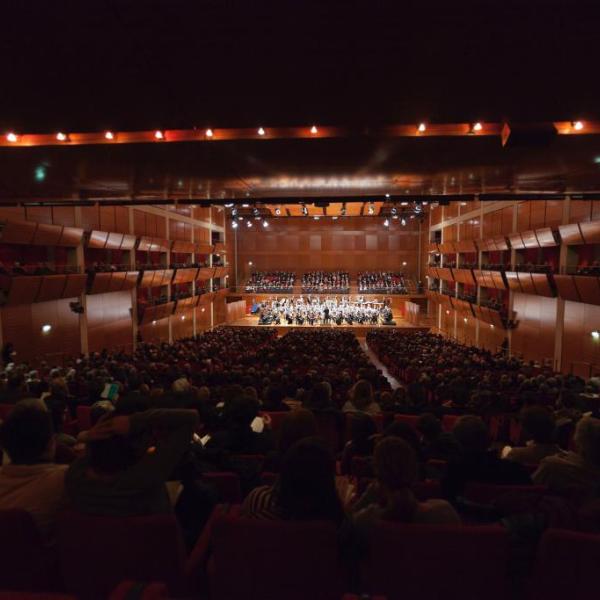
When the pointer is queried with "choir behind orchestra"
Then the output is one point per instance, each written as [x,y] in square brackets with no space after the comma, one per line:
[325,311]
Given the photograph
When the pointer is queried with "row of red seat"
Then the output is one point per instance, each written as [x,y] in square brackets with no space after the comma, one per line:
[238,558]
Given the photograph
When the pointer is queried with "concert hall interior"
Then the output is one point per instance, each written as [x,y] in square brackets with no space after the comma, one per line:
[299,300]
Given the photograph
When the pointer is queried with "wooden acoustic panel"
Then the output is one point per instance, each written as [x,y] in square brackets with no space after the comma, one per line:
[526,282]
[146,279]
[160,245]
[114,241]
[529,239]
[131,280]
[566,288]
[545,237]
[101,283]
[98,239]
[571,234]
[24,290]
[185,304]
[219,248]
[144,244]
[117,281]
[433,247]
[18,232]
[203,248]
[590,232]
[516,241]
[513,281]
[588,288]
[155,313]
[75,285]
[128,242]
[498,280]
[51,288]
[541,285]
[501,243]
[205,273]
[185,275]
[47,235]
[71,237]
[445,274]
[183,247]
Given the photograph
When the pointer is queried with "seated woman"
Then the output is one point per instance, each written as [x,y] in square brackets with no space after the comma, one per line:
[361,399]
[305,490]
[390,497]
[363,432]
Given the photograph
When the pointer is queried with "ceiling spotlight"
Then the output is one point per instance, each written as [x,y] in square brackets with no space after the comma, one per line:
[159,135]
[109,135]
[265,223]
[386,223]
[477,126]
[463,203]
[277,211]
[12,137]
[234,212]
[595,334]
[61,137]
[209,133]
[394,210]
[403,222]
[314,130]
[403,203]
[46,328]
[261,131]
[245,205]
[425,203]
[316,217]
[578,125]
[334,218]
[249,223]
[387,195]
[255,211]
[422,127]
[240,218]
[371,209]
[234,224]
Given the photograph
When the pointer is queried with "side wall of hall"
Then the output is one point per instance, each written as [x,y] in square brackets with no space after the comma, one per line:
[555,310]
[111,317]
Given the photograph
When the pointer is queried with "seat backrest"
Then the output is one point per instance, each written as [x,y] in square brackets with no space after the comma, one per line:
[449,421]
[486,493]
[328,427]
[566,566]
[431,562]
[276,419]
[98,552]
[227,485]
[25,562]
[409,419]
[271,560]
[84,417]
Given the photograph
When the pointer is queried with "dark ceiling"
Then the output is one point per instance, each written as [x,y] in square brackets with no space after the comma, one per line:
[93,65]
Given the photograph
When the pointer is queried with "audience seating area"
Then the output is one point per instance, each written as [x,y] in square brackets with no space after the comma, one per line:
[272,281]
[265,406]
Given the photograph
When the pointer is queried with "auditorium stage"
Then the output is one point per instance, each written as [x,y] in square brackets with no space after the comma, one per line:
[358,330]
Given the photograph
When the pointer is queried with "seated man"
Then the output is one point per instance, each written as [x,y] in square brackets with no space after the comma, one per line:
[32,481]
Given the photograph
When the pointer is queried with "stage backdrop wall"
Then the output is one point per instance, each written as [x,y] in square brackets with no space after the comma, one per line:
[302,244]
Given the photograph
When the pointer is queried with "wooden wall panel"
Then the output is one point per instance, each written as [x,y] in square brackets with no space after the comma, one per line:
[182,324]
[534,336]
[580,211]
[22,325]
[109,321]
[39,214]
[578,345]
[63,215]
[159,332]
[90,217]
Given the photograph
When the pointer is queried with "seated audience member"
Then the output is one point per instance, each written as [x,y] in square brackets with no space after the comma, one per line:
[273,400]
[540,432]
[361,399]
[363,433]
[576,473]
[435,443]
[319,399]
[125,468]
[32,481]
[390,497]
[237,435]
[477,462]
[296,425]
[305,490]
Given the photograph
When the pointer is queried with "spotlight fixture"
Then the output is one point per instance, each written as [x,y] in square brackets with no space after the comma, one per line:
[403,203]
[12,137]
[240,218]
[387,195]
[261,131]
[277,211]
[209,133]
[394,210]
[314,130]
[159,135]
[465,319]
[153,322]
[404,263]
[371,209]
[255,211]
[595,334]
[61,137]
[109,135]
[249,223]
[477,126]
[265,223]
[183,317]
[421,128]
[229,205]
[316,217]
[403,222]
[578,125]
[386,223]
[304,210]
[234,212]
[249,263]
[46,328]
[234,224]
[491,326]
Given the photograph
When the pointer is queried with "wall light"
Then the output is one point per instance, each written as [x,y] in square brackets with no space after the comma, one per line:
[109,135]
[261,131]
[12,137]
[491,326]
[249,263]
[159,135]
[447,312]
[265,223]
[209,133]
[578,125]
[422,127]
[477,126]
[404,263]
[153,322]
[465,319]
[234,224]
[314,130]
[249,223]
[61,137]
[386,223]
[183,317]
[46,328]
[595,334]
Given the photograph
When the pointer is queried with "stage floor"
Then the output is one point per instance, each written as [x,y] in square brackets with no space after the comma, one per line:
[358,330]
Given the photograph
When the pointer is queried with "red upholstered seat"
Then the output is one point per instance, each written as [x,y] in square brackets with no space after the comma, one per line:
[409,419]
[329,428]
[272,560]
[449,421]
[98,552]
[566,566]
[84,417]
[486,493]
[25,563]
[140,591]
[276,419]
[434,562]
